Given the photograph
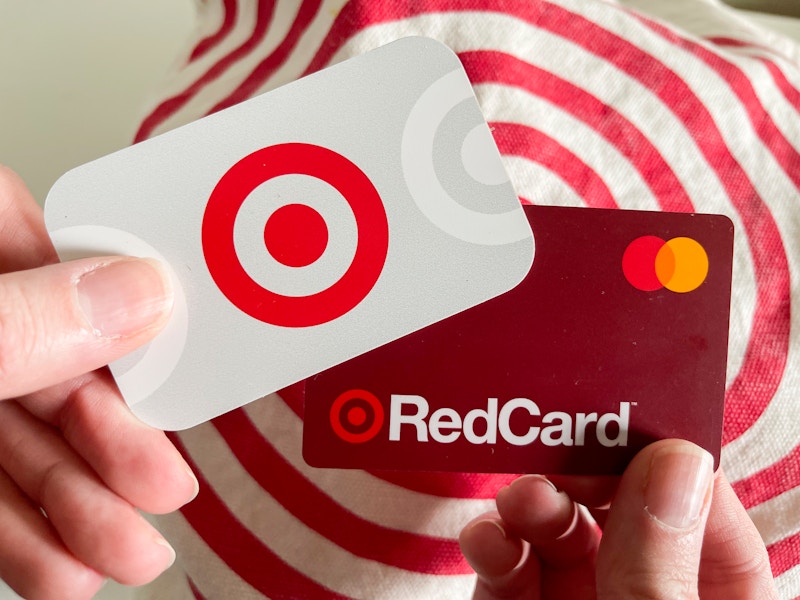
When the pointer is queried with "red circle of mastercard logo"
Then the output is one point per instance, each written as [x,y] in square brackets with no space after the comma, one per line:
[356,416]
[295,235]
[679,265]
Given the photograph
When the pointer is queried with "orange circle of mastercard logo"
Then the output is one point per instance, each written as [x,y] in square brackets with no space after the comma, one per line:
[680,264]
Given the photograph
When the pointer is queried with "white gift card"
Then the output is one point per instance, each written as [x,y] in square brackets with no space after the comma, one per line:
[303,227]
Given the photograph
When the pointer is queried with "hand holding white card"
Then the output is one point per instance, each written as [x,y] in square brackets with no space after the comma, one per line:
[303,227]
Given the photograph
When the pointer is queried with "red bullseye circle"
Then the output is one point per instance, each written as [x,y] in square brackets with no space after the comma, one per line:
[354,414]
[296,235]
[301,159]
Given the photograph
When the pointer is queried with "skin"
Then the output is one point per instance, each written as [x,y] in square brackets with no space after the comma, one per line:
[542,544]
[69,447]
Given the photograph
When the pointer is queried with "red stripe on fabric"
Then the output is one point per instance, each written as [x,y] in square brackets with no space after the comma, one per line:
[497,67]
[471,486]
[783,151]
[170,106]
[230,11]
[354,17]
[244,553]
[767,350]
[789,91]
[526,142]
[319,512]
[776,479]
[726,42]
[734,43]
[268,66]
[195,591]
[768,347]
[783,555]
[294,396]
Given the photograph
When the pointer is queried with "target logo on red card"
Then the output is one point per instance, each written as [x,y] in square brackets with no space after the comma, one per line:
[303,228]
[356,416]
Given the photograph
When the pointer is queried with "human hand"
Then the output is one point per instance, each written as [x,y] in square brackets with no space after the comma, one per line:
[75,464]
[674,530]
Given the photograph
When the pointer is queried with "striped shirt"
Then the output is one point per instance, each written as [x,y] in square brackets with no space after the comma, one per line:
[591,104]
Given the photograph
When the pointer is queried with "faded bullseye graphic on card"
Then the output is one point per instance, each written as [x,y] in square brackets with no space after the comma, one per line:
[305,227]
[616,338]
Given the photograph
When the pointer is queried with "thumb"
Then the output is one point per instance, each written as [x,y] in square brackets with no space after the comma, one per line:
[66,319]
[654,533]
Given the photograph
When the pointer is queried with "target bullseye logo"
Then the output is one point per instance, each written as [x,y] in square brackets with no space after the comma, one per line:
[356,416]
[295,235]
[679,264]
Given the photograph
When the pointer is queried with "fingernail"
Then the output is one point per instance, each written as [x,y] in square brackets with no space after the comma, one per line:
[678,484]
[545,480]
[493,525]
[525,479]
[124,296]
[193,478]
[162,542]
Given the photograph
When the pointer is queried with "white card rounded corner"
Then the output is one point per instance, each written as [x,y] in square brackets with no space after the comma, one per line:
[55,194]
[526,263]
[425,46]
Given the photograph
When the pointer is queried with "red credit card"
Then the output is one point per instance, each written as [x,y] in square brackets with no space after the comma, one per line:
[616,338]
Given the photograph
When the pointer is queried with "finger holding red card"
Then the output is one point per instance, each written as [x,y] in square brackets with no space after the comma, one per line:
[616,338]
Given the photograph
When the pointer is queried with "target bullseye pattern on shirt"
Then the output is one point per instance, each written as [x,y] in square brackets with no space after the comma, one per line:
[295,235]
[650,263]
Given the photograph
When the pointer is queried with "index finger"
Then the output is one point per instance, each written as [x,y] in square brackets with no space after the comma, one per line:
[24,242]
[593,491]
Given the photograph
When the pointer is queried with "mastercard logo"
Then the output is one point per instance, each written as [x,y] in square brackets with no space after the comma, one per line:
[679,265]
[356,416]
